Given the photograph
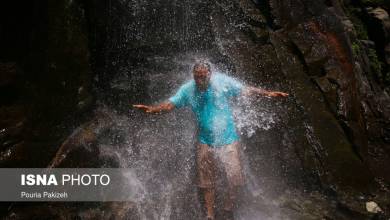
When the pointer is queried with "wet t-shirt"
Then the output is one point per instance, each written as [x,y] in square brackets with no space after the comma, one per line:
[211,108]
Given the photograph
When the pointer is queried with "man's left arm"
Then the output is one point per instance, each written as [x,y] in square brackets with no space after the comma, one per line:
[253,91]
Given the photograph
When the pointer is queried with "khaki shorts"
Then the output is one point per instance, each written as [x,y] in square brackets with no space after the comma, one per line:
[226,157]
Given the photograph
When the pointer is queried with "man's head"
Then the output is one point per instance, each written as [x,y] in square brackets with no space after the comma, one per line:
[202,73]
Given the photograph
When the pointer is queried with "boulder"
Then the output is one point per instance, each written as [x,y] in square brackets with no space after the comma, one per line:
[9,73]
[387,54]
[379,26]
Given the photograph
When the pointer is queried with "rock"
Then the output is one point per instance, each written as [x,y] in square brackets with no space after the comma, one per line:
[84,137]
[11,135]
[379,25]
[309,41]
[338,156]
[387,54]
[103,210]
[348,25]
[330,91]
[373,207]
[379,13]
[8,73]
[368,43]
[10,153]
[252,12]
[287,12]
[12,118]
[260,34]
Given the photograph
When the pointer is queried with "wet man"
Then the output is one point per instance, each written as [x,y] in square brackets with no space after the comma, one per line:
[208,95]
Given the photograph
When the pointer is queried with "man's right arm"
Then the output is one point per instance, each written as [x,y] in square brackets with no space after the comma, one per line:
[156,109]
[177,101]
[249,91]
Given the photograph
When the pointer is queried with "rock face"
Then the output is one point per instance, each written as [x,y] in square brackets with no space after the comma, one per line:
[324,45]
[312,47]
[333,134]
[46,76]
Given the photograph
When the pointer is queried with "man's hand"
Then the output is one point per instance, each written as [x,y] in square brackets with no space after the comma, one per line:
[163,107]
[276,94]
[261,92]
[145,108]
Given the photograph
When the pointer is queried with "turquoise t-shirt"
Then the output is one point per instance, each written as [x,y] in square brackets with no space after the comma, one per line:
[211,108]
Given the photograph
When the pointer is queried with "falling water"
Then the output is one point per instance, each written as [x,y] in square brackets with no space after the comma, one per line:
[160,149]
[150,54]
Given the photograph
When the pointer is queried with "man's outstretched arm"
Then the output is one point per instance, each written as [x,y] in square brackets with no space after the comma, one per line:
[250,91]
[160,108]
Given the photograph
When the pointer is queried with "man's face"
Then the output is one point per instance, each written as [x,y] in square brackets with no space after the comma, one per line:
[202,78]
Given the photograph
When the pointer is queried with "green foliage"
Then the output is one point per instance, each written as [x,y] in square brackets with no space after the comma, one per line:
[355,14]
[360,28]
[374,2]
[355,49]
[361,31]
[375,65]
[387,80]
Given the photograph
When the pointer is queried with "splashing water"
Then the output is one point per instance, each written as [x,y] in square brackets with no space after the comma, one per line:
[164,40]
[251,116]
[160,149]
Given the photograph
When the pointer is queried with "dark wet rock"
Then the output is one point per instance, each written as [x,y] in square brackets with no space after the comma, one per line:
[368,43]
[9,73]
[387,53]
[253,13]
[309,46]
[383,18]
[259,34]
[378,24]
[12,83]
[88,211]
[330,91]
[314,49]
[82,144]
[40,88]
[327,45]
[348,25]
[9,154]
[322,119]
[12,125]
[291,13]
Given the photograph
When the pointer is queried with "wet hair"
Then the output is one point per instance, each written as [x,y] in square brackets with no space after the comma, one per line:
[202,64]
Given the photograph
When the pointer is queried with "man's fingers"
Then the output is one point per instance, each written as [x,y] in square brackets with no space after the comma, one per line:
[275,94]
[283,94]
[142,107]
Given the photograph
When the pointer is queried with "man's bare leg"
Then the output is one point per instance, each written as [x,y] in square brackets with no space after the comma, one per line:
[209,197]
[233,170]
[231,197]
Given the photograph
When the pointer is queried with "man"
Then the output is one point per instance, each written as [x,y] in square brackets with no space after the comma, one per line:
[208,95]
